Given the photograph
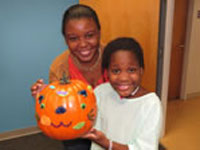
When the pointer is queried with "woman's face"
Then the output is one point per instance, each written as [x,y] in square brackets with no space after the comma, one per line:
[83,38]
[124,72]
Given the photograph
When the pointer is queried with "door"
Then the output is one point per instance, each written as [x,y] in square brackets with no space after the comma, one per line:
[177,52]
[132,18]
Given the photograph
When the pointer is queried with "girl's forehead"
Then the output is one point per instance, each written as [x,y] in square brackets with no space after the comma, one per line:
[123,56]
[121,53]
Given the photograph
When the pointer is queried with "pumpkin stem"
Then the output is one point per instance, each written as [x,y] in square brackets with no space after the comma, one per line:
[64,79]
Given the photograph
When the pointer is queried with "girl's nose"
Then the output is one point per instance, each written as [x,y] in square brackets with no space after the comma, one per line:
[123,76]
[61,110]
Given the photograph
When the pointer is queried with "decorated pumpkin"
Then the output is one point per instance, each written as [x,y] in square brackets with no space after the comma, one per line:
[66,109]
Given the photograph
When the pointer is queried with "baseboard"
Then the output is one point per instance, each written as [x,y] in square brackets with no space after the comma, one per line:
[193,95]
[19,133]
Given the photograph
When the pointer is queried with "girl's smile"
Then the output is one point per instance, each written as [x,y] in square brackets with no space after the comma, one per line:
[123,87]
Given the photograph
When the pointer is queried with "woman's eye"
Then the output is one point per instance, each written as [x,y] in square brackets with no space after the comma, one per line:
[73,38]
[90,35]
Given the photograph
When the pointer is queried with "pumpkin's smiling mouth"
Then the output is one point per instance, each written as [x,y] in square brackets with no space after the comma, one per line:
[76,127]
[47,121]
[61,124]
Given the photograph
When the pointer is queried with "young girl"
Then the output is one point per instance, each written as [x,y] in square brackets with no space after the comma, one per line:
[129,116]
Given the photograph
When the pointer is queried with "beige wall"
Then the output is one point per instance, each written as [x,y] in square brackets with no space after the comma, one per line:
[191,69]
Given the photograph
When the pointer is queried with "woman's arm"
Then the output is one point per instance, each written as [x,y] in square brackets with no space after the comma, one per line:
[52,76]
[37,87]
[59,66]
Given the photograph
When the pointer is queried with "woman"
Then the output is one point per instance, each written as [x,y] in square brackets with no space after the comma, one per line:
[81,30]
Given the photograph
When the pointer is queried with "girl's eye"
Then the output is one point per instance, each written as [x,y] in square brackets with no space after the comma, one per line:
[83,105]
[131,70]
[115,71]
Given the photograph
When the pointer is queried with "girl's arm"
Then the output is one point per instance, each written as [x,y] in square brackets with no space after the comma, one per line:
[99,138]
[147,137]
[149,133]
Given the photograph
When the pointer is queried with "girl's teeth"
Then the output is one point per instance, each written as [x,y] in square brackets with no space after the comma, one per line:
[123,87]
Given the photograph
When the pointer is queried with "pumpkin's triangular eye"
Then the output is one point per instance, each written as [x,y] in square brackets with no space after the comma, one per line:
[83,92]
[40,99]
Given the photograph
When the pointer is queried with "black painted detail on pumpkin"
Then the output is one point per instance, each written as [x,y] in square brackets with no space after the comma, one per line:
[60,110]
[40,99]
[83,92]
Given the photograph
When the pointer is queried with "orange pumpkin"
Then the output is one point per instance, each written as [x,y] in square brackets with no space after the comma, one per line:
[66,110]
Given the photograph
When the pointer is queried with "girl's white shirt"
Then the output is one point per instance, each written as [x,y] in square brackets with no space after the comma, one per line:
[135,122]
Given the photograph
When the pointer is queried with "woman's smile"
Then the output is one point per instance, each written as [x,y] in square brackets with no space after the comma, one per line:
[83,37]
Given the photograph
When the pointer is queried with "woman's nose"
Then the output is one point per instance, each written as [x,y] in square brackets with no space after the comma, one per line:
[61,110]
[83,42]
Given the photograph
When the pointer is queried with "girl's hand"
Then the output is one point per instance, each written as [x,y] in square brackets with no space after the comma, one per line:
[37,87]
[98,137]
[94,134]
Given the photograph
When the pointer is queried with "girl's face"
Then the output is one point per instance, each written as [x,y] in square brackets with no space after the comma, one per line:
[124,72]
[83,38]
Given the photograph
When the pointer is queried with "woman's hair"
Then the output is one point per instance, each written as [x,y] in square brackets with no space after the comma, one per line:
[79,11]
[125,44]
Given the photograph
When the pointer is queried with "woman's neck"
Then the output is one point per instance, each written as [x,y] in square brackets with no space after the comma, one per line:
[90,65]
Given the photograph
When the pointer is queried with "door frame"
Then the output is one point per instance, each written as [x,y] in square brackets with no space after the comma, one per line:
[164,53]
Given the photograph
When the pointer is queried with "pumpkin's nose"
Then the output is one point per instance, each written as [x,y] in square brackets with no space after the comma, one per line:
[60,110]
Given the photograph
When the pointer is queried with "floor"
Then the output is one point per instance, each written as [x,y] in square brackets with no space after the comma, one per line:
[36,142]
[32,142]
[183,125]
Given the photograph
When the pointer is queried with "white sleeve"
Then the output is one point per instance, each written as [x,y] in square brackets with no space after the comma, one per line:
[98,97]
[97,125]
[149,133]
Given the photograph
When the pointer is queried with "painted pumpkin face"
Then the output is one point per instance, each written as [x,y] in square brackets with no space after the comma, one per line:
[66,110]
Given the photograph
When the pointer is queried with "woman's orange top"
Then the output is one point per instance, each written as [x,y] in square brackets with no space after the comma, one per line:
[64,64]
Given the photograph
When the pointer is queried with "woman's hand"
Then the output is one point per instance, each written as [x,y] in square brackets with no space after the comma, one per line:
[98,137]
[37,87]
